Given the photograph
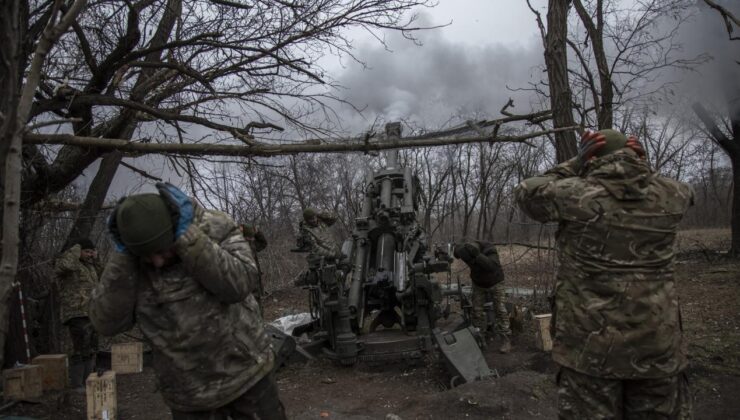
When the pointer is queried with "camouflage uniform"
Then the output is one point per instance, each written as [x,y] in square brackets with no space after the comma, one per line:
[318,240]
[495,294]
[616,319]
[76,280]
[198,315]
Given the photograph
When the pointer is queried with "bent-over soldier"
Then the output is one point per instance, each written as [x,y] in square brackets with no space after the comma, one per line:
[487,277]
[185,275]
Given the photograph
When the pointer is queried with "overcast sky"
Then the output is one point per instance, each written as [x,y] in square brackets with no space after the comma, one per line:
[486,49]
[473,65]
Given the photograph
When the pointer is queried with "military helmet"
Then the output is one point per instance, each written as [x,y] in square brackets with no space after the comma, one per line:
[145,224]
[248,231]
[310,213]
[84,243]
[614,141]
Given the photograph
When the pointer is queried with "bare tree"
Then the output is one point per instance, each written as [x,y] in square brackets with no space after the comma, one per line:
[623,54]
[728,138]
[556,62]
[731,21]
[56,23]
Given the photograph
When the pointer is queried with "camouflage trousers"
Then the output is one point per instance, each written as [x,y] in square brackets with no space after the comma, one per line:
[83,339]
[261,402]
[582,396]
[496,296]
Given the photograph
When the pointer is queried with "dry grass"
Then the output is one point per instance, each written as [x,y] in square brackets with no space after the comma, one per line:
[703,239]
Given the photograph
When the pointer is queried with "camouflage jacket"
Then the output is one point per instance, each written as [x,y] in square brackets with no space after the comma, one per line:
[616,309]
[486,268]
[76,280]
[318,240]
[198,315]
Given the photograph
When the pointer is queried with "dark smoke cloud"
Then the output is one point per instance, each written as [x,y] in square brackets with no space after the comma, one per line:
[439,80]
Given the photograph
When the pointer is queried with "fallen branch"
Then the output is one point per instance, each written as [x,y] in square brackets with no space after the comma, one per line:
[265,150]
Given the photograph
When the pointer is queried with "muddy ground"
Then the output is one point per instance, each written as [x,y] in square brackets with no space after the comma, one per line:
[709,287]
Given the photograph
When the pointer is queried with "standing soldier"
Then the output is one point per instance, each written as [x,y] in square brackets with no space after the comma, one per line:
[257,242]
[617,328]
[185,276]
[488,286]
[77,271]
[315,238]
[315,234]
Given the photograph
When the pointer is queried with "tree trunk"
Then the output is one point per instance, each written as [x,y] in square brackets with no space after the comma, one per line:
[731,146]
[735,218]
[12,32]
[605,111]
[556,60]
[87,216]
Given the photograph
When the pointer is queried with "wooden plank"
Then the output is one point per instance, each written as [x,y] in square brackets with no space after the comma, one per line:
[101,396]
[127,357]
[543,340]
[23,383]
[56,371]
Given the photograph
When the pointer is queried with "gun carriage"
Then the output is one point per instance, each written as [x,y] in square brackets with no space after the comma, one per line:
[383,299]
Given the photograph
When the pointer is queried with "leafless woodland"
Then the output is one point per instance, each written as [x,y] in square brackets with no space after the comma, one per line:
[232,96]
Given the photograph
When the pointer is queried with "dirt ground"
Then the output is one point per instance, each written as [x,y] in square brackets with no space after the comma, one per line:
[709,288]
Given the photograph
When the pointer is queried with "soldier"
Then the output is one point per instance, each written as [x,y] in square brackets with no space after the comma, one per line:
[185,275]
[257,242]
[617,327]
[77,271]
[316,236]
[487,277]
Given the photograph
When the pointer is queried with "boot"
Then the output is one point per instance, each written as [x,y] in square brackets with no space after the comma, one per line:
[77,375]
[482,338]
[505,344]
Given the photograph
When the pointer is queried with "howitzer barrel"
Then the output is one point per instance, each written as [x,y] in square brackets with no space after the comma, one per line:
[386,193]
[358,276]
[385,252]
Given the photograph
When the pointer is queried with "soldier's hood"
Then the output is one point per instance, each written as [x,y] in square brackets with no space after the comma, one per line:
[623,174]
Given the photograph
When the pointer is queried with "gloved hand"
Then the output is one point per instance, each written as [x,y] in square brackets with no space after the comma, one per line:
[113,229]
[591,143]
[466,252]
[636,146]
[180,206]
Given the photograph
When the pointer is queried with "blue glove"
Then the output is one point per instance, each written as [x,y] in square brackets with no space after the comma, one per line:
[113,229]
[179,204]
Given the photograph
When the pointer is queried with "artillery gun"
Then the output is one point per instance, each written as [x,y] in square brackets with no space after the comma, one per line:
[384,299]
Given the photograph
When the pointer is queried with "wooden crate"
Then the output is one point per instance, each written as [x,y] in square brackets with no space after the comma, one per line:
[56,371]
[23,383]
[101,396]
[127,357]
[543,340]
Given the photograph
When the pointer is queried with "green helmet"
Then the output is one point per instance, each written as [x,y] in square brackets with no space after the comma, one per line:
[248,231]
[310,213]
[614,141]
[145,224]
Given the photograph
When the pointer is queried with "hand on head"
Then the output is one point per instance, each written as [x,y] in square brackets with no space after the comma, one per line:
[591,143]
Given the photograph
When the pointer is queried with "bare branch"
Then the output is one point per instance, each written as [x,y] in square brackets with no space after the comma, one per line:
[728,17]
[348,145]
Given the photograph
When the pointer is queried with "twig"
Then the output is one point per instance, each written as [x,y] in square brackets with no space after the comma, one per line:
[53,122]
[141,172]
